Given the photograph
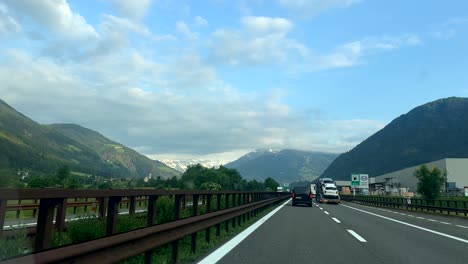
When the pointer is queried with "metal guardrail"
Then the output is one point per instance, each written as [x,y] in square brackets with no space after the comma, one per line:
[116,247]
[441,206]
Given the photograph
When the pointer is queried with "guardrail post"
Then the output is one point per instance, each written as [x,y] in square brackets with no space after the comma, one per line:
[34,210]
[227,206]
[218,207]
[102,207]
[86,207]
[239,203]
[3,204]
[74,207]
[244,197]
[131,209]
[234,195]
[193,244]
[151,219]
[464,205]
[43,237]
[448,207]
[208,210]
[175,244]
[60,216]
[18,212]
[112,214]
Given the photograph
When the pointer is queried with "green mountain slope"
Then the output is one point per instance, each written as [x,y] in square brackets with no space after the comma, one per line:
[115,153]
[27,145]
[284,166]
[429,132]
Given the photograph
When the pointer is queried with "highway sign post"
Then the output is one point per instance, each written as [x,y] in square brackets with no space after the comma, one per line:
[355,180]
[364,181]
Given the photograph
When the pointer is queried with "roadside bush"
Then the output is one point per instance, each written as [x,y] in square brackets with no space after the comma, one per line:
[85,229]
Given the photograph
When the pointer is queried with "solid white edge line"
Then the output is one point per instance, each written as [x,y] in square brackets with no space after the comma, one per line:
[358,237]
[336,220]
[411,225]
[218,254]
[326,212]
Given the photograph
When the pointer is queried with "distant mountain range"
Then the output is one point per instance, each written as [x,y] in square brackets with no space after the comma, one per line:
[433,131]
[284,166]
[182,164]
[27,145]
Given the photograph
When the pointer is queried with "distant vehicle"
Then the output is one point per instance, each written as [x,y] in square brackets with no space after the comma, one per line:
[313,190]
[327,191]
[330,190]
[302,195]
[279,189]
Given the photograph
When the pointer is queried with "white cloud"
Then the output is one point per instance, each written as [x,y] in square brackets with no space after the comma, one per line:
[56,16]
[310,8]
[132,9]
[275,25]
[185,30]
[200,22]
[448,29]
[261,40]
[7,23]
[353,53]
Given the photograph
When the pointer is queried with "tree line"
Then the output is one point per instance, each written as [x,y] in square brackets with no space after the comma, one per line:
[196,177]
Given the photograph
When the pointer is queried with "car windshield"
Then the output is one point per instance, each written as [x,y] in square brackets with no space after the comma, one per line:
[157,131]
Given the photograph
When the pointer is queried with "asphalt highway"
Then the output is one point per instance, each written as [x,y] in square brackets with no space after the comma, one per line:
[351,233]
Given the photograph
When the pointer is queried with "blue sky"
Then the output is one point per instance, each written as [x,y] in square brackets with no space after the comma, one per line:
[218,78]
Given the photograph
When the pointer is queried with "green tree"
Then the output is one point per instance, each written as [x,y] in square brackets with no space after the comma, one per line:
[62,174]
[430,182]
[270,184]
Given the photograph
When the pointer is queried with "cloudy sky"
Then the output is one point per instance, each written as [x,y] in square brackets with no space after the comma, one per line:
[218,78]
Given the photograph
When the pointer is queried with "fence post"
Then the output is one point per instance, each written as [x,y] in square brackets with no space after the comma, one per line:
[34,210]
[218,208]
[112,214]
[448,207]
[464,205]
[226,226]
[102,207]
[151,219]
[208,210]
[234,195]
[18,211]
[193,245]
[239,203]
[86,207]
[131,203]
[175,244]
[60,216]
[74,207]
[3,204]
[43,237]
[244,196]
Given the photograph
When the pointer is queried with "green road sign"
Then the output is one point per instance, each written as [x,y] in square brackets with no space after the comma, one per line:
[355,180]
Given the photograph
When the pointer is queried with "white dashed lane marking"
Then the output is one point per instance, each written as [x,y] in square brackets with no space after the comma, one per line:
[358,237]
[326,212]
[339,222]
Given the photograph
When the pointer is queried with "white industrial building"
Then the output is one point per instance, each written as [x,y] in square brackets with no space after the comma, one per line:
[404,180]
[456,168]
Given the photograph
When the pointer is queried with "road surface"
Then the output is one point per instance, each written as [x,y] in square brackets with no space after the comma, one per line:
[351,233]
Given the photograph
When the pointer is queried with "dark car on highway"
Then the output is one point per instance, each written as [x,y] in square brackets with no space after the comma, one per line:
[302,195]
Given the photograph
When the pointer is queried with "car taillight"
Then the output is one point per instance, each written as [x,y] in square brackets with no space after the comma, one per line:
[293,195]
[311,196]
